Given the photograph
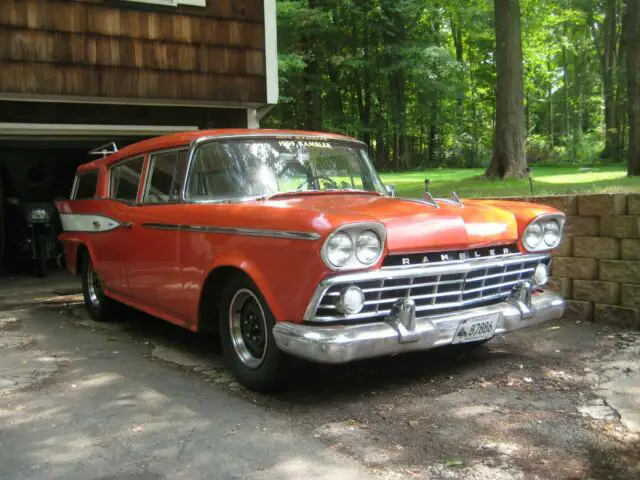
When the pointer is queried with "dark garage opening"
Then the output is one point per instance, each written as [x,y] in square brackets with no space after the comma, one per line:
[37,171]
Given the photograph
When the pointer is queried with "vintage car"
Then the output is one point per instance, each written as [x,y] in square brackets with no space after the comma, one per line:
[287,244]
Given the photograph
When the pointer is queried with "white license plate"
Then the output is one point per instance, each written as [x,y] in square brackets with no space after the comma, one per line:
[474,329]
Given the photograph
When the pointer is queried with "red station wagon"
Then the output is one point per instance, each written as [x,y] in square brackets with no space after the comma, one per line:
[288,244]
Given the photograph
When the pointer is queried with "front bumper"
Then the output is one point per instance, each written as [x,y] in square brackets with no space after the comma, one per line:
[403,332]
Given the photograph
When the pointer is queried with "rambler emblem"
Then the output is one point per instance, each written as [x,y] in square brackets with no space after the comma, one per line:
[449,256]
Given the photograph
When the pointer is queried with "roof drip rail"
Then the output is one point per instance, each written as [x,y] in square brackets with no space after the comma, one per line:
[104,150]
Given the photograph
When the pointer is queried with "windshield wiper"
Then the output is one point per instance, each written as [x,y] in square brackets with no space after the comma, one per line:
[269,196]
[310,192]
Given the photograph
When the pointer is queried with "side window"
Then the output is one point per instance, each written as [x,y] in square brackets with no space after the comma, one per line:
[86,185]
[125,179]
[166,176]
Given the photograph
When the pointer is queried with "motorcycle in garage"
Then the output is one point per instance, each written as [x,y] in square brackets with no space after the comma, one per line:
[32,233]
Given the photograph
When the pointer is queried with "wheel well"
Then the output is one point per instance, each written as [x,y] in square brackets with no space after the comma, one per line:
[210,297]
[81,254]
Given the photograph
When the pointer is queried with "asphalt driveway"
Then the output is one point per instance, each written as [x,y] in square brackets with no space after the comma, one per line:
[142,399]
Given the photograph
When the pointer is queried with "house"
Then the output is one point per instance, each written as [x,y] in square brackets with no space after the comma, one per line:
[75,74]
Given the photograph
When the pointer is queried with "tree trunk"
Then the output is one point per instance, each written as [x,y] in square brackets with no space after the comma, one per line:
[433,133]
[312,94]
[550,97]
[632,30]
[508,158]
[456,33]
[612,147]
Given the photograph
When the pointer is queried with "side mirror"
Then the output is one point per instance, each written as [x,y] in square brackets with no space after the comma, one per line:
[391,190]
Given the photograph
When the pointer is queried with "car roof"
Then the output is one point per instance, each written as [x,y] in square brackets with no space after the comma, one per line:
[175,140]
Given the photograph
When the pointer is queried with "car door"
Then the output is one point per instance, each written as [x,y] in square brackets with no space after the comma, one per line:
[125,178]
[153,260]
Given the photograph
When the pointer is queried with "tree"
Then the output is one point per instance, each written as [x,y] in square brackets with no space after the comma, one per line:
[632,30]
[508,152]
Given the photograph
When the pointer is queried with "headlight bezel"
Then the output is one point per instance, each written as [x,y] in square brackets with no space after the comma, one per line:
[354,230]
[541,222]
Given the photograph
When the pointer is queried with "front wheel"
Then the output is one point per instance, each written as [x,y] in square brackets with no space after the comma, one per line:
[100,307]
[246,328]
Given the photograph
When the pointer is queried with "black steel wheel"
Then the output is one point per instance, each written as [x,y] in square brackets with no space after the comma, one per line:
[246,331]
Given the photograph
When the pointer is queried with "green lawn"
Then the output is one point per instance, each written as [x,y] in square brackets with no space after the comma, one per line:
[546,181]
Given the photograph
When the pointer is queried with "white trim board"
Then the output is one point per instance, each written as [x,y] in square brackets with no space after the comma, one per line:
[24,97]
[271,51]
[173,3]
[75,129]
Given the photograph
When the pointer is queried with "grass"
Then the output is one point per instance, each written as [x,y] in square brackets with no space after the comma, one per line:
[546,181]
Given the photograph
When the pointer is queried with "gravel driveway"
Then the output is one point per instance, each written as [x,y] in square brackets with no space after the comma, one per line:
[548,402]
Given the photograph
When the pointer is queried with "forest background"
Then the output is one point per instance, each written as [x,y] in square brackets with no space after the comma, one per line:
[493,84]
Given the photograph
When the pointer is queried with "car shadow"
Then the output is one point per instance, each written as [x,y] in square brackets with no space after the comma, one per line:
[322,382]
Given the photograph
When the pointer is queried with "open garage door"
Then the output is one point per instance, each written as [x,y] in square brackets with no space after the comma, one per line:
[37,165]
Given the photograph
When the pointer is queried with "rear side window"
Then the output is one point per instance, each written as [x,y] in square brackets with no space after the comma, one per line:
[125,179]
[166,176]
[86,185]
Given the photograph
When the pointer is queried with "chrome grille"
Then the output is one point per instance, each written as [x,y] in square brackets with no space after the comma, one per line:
[434,290]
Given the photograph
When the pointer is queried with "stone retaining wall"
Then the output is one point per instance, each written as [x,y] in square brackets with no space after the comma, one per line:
[597,267]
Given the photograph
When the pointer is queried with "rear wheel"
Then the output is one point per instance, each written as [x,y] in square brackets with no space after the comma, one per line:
[100,307]
[246,328]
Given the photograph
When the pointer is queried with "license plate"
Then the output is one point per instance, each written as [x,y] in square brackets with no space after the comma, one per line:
[474,329]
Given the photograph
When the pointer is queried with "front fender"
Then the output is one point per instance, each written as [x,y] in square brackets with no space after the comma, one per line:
[251,269]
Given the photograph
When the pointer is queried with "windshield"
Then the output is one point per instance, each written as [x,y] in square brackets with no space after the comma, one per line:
[246,169]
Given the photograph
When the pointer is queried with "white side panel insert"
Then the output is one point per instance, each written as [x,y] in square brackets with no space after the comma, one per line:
[80,222]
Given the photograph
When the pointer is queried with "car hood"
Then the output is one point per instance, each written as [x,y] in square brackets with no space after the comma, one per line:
[414,225]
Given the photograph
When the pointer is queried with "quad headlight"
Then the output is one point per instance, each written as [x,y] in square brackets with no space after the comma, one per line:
[339,249]
[544,233]
[354,246]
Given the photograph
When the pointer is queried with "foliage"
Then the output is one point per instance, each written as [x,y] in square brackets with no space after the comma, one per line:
[547,180]
[415,79]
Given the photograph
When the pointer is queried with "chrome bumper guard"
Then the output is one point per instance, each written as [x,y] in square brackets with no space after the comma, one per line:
[403,332]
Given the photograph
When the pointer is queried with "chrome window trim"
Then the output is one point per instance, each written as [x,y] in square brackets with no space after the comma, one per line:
[74,187]
[252,232]
[76,183]
[148,171]
[122,162]
[396,273]
[198,142]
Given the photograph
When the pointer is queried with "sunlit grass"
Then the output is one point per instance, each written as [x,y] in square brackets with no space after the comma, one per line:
[546,181]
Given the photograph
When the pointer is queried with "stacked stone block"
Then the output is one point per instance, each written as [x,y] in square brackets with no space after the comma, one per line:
[597,266]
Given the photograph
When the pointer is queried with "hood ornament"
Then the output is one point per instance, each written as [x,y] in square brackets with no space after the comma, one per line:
[455,199]
[427,198]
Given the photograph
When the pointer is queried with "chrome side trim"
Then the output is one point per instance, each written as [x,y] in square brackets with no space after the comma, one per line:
[429,270]
[236,231]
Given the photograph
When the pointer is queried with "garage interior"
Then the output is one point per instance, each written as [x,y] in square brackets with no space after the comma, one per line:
[42,144]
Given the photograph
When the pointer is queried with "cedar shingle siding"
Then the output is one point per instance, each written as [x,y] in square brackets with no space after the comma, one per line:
[115,48]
